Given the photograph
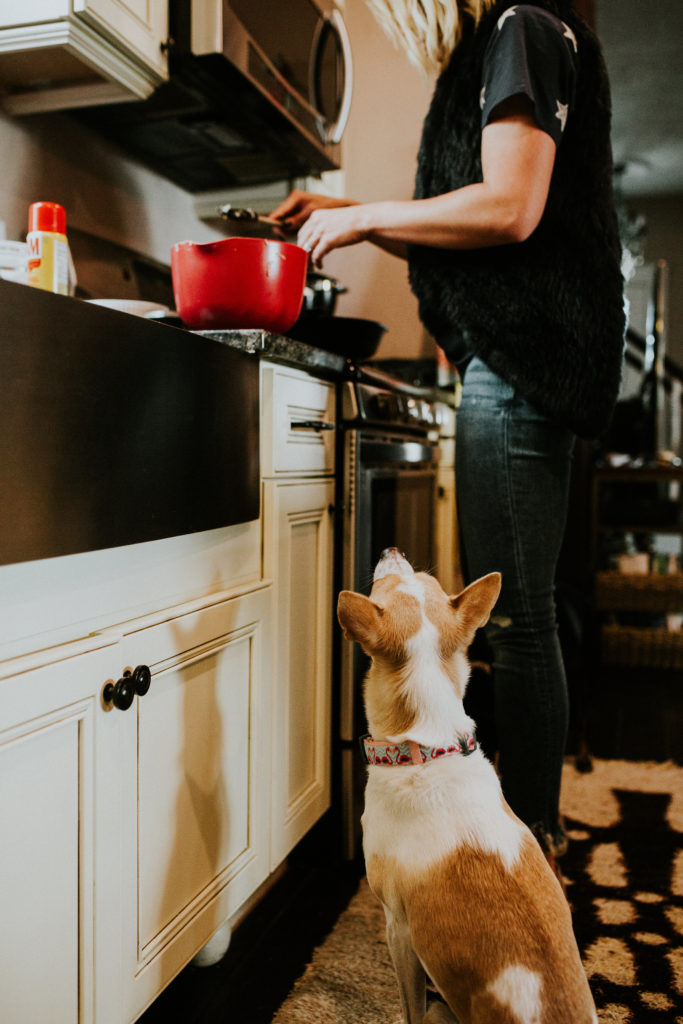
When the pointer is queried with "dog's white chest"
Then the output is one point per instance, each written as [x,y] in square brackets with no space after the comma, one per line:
[419,816]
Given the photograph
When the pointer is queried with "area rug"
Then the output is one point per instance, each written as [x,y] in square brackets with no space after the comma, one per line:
[624,872]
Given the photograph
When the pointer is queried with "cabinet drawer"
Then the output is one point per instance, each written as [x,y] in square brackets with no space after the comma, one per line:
[298,415]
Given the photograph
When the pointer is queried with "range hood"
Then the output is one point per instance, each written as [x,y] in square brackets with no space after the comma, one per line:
[229,118]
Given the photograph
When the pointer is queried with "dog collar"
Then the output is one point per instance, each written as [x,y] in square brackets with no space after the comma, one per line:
[413,753]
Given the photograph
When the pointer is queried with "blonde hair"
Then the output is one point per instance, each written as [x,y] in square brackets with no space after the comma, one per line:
[428,30]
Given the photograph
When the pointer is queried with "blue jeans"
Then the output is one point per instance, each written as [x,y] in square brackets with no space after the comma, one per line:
[512,482]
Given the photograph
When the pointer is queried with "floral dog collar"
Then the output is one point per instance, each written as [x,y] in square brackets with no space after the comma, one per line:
[413,753]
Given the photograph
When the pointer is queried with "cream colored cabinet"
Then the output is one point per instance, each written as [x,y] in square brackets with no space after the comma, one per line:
[301,552]
[298,508]
[59,864]
[64,54]
[298,424]
[130,836]
[195,811]
[138,26]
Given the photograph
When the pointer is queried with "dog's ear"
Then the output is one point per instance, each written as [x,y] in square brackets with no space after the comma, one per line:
[359,617]
[475,603]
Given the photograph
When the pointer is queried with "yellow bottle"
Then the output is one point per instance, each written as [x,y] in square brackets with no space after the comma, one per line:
[48,249]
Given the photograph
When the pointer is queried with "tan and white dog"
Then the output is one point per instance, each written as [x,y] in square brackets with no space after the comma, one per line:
[469,897]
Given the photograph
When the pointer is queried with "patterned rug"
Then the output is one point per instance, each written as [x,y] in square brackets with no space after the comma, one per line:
[624,873]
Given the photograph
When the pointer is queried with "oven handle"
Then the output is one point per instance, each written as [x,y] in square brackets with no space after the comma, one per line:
[316,425]
[383,452]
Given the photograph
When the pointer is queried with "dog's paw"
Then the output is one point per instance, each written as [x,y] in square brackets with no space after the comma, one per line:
[439,1013]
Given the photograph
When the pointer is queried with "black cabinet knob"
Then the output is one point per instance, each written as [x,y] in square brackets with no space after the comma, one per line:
[142,678]
[122,693]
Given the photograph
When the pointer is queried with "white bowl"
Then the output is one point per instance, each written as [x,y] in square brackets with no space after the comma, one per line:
[136,307]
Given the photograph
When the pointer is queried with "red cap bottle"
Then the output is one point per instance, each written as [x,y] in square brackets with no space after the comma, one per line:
[47,217]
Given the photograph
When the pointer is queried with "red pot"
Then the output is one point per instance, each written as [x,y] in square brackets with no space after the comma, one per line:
[239,282]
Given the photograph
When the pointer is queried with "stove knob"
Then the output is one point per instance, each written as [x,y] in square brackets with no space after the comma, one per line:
[387,406]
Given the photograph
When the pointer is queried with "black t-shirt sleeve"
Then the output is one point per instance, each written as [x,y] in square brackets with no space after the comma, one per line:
[531,52]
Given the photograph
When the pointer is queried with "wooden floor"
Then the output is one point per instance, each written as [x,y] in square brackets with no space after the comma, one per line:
[272,946]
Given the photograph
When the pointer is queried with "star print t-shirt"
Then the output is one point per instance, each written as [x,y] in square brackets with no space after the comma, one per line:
[531,52]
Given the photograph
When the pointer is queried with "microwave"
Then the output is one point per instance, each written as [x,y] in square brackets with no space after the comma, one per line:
[295,52]
[258,91]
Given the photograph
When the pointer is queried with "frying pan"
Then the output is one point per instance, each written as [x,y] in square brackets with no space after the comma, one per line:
[352,337]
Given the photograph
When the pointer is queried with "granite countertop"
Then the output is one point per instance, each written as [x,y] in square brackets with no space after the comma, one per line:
[280,349]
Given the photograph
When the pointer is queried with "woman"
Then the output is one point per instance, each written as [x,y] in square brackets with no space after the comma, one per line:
[514,256]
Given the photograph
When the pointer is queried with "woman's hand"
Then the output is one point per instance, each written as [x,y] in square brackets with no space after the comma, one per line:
[332,229]
[298,207]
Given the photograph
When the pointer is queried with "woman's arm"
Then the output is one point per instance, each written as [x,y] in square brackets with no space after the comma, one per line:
[517,165]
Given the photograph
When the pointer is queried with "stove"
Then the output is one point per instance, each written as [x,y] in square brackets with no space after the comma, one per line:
[389,448]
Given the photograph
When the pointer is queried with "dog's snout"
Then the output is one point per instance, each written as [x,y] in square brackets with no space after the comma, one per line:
[392,562]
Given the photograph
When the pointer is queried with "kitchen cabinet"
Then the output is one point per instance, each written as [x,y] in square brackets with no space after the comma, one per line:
[194,810]
[298,503]
[59,865]
[301,552]
[64,54]
[130,836]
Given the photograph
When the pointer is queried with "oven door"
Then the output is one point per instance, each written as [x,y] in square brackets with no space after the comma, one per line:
[390,495]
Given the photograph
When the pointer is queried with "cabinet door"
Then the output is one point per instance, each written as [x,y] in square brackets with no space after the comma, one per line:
[141,25]
[196,754]
[54,876]
[448,570]
[299,555]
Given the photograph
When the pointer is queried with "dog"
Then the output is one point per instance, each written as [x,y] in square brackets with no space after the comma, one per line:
[469,897]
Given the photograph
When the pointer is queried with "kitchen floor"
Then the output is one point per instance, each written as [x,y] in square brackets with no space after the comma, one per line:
[271,948]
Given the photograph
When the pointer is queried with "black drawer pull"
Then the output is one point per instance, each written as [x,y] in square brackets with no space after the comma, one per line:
[316,425]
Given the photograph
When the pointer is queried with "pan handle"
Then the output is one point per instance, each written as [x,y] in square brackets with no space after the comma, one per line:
[246,215]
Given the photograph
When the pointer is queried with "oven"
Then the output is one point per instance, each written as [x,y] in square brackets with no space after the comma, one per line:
[389,451]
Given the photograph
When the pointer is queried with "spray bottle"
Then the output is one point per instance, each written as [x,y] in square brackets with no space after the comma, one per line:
[48,249]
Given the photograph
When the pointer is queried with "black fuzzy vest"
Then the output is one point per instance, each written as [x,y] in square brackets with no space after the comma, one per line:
[545,314]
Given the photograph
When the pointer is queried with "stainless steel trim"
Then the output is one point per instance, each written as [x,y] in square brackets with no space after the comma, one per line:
[395,451]
[349,822]
[335,131]
[349,520]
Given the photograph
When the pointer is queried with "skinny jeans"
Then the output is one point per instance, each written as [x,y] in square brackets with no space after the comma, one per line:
[512,484]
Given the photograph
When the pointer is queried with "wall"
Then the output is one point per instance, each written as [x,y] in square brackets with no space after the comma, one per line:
[53,157]
[380,151]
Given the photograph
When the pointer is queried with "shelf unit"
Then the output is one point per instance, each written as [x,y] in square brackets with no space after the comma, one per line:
[632,608]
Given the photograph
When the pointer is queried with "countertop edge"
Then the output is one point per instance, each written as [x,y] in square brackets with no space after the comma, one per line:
[280,349]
